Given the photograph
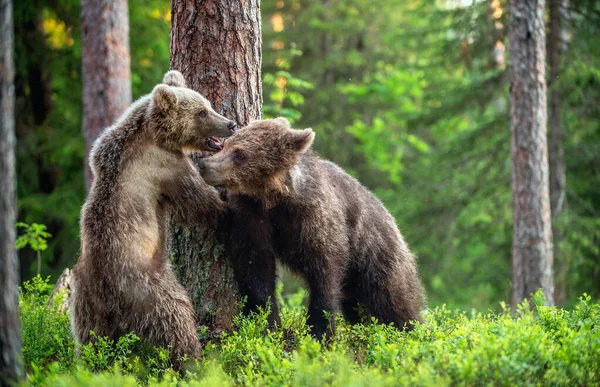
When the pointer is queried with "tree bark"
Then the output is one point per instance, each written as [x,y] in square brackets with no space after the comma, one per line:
[558,179]
[106,68]
[216,44]
[10,328]
[532,233]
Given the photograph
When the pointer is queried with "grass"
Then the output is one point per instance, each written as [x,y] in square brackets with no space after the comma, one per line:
[537,345]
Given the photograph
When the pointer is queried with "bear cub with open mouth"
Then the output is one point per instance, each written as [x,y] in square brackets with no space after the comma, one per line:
[123,281]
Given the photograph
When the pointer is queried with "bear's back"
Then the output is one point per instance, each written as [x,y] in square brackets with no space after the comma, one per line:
[114,223]
[111,148]
[364,216]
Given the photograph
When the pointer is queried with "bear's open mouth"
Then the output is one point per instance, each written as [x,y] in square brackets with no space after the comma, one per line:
[214,144]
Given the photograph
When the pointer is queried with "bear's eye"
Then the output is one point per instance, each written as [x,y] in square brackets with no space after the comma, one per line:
[202,113]
[238,157]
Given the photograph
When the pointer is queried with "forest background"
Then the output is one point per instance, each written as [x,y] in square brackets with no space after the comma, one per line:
[411,97]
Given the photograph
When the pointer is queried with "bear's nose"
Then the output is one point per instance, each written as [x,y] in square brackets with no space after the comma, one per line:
[232,126]
[201,164]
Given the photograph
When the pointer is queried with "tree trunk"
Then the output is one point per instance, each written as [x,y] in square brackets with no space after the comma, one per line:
[532,233]
[10,329]
[106,72]
[216,44]
[558,180]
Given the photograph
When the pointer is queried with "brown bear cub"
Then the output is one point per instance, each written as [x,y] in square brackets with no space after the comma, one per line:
[123,281]
[288,203]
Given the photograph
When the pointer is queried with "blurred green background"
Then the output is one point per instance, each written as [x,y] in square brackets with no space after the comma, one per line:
[409,96]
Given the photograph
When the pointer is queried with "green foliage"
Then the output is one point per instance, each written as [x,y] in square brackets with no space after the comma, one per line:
[580,87]
[35,236]
[398,94]
[539,345]
[48,117]
[106,353]
[284,90]
[46,332]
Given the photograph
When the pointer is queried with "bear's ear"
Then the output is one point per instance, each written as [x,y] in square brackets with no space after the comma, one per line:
[301,140]
[174,78]
[283,121]
[164,98]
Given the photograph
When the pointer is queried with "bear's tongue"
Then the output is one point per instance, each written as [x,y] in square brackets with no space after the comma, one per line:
[214,143]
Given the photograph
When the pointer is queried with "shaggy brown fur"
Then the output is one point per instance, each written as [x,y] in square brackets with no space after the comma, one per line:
[319,221]
[123,281]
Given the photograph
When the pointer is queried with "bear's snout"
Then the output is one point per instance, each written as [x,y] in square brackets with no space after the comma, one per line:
[232,126]
[211,172]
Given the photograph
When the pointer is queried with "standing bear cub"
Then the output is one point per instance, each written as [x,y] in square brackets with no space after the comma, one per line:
[288,203]
[123,281]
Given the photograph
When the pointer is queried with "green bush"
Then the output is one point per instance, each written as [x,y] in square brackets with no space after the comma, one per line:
[536,345]
[46,330]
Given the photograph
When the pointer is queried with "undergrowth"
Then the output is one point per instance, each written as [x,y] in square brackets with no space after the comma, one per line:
[536,345]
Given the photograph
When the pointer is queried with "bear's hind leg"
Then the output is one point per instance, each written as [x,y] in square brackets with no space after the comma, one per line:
[321,312]
[388,304]
[87,316]
[351,294]
[350,310]
[171,321]
[184,342]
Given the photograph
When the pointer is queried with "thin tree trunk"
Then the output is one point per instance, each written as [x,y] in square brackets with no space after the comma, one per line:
[39,262]
[10,329]
[558,179]
[532,232]
[106,68]
[216,44]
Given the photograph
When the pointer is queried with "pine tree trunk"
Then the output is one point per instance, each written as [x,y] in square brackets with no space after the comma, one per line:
[10,328]
[106,68]
[532,233]
[216,44]
[558,179]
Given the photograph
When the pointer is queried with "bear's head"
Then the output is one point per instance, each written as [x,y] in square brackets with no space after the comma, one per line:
[181,118]
[257,159]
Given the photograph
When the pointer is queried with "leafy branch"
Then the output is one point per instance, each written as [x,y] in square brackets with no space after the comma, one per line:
[35,236]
